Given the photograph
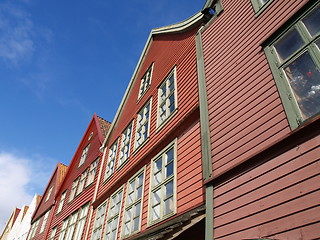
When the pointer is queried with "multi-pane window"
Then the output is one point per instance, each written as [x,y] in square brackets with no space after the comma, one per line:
[111,160]
[83,212]
[132,213]
[92,172]
[49,193]
[53,233]
[167,98]
[125,145]
[113,216]
[98,223]
[145,82]
[61,202]
[73,189]
[63,229]
[34,228]
[82,181]
[84,155]
[44,222]
[72,227]
[142,128]
[162,191]
[294,58]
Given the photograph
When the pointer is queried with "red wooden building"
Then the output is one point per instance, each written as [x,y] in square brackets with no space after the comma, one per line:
[70,201]
[150,183]
[259,81]
[43,214]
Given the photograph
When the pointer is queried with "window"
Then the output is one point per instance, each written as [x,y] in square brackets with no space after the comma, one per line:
[145,82]
[111,159]
[49,193]
[132,213]
[82,182]
[63,229]
[294,59]
[83,212]
[34,228]
[44,222]
[142,128]
[162,190]
[259,5]
[98,223]
[125,145]
[63,196]
[73,189]
[113,215]
[92,172]
[72,227]
[53,233]
[167,98]
[84,155]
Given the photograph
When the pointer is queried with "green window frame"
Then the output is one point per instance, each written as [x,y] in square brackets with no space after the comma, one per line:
[260,5]
[294,58]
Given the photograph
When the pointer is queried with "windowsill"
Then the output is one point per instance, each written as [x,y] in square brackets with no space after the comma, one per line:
[160,126]
[150,224]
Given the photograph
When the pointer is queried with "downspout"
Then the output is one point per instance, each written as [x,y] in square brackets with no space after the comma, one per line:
[205,137]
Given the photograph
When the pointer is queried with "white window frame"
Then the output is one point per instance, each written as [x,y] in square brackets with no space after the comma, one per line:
[112,156]
[125,147]
[53,233]
[84,155]
[113,216]
[34,228]
[49,193]
[82,182]
[154,187]
[260,5]
[141,123]
[130,205]
[92,172]
[44,221]
[63,229]
[145,82]
[99,221]
[165,102]
[74,189]
[71,225]
[82,217]
[61,202]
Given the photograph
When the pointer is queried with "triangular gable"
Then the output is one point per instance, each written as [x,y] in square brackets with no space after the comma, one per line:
[183,26]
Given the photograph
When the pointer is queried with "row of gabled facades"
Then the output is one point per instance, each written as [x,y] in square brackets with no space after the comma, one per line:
[217,135]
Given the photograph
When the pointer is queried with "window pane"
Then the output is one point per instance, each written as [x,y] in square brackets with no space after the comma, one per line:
[169,189]
[156,212]
[168,206]
[304,79]
[312,22]
[169,156]
[156,197]
[136,224]
[288,44]
[157,178]
[139,192]
[169,170]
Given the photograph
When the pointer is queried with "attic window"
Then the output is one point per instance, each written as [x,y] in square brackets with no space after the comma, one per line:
[91,134]
[49,193]
[211,9]
[145,82]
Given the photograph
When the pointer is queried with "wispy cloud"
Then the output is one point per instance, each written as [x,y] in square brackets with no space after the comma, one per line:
[16,34]
[20,179]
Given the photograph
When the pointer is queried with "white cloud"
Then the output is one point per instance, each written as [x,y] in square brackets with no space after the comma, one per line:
[20,179]
[16,34]
[15,174]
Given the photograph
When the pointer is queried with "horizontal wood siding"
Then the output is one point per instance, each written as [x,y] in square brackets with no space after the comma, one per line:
[166,52]
[245,110]
[277,199]
[74,171]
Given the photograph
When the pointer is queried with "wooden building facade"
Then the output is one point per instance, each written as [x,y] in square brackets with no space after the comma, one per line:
[258,64]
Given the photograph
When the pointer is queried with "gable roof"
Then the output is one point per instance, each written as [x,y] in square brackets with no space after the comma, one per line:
[183,26]
[56,180]
[10,223]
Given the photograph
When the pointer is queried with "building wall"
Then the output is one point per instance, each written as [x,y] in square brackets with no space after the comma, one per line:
[276,198]
[74,171]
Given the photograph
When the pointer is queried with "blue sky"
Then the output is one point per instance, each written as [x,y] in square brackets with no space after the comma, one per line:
[60,62]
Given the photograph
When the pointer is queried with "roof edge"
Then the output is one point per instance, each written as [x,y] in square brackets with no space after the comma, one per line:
[174,28]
